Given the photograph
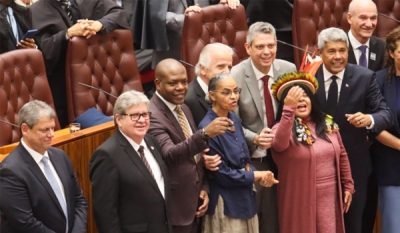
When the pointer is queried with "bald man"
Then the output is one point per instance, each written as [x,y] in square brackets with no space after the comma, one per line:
[172,124]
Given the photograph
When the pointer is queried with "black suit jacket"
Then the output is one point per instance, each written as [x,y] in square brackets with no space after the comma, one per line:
[125,196]
[7,38]
[27,201]
[359,93]
[386,160]
[377,47]
[195,100]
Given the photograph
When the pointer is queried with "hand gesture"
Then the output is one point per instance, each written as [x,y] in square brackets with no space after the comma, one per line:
[348,197]
[359,119]
[264,139]
[211,162]
[218,126]
[203,208]
[268,179]
[293,97]
[28,43]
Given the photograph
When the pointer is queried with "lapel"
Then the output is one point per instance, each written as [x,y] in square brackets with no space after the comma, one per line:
[352,57]
[390,94]
[187,112]
[252,86]
[137,161]
[372,49]
[37,172]
[200,94]
[347,84]
[57,6]
[321,95]
[11,34]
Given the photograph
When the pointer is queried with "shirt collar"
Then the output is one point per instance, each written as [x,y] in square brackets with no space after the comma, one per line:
[328,75]
[133,143]
[35,155]
[170,105]
[202,84]
[354,42]
[259,74]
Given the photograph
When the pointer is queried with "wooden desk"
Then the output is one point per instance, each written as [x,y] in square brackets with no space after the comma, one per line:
[79,146]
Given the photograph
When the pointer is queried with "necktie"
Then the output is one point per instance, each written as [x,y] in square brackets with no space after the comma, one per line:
[56,188]
[363,58]
[141,153]
[184,125]
[65,4]
[332,97]
[13,23]
[269,108]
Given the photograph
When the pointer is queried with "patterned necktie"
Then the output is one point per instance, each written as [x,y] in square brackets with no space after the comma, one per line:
[269,108]
[143,157]
[56,188]
[363,58]
[13,23]
[65,4]
[332,97]
[182,121]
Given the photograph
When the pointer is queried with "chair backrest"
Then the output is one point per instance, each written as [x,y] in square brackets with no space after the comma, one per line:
[390,8]
[215,23]
[22,79]
[312,16]
[105,61]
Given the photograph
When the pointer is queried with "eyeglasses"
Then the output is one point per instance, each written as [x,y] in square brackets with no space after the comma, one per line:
[136,116]
[228,93]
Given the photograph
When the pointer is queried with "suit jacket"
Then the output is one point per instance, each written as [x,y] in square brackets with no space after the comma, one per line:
[186,176]
[359,93]
[250,106]
[125,196]
[195,100]
[7,38]
[28,202]
[386,160]
[377,47]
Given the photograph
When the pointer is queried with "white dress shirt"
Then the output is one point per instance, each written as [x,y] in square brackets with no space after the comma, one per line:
[356,44]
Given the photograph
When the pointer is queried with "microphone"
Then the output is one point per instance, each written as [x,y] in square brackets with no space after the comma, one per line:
[386,16]
[294,46]
[187,64]
[86,85]
[9,123]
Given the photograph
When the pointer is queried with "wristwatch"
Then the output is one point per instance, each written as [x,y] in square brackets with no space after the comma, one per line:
[204,134]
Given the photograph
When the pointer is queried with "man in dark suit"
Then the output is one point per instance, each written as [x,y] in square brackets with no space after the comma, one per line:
[14,23]
[215,58]
[181,143]
[364,49]
[351,95]
[130,186]
[39,190]
[57,22]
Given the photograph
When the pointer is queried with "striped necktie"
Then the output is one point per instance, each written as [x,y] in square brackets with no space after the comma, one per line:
[66,5]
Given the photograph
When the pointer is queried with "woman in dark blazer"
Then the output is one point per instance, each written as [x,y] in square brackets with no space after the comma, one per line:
[386,152]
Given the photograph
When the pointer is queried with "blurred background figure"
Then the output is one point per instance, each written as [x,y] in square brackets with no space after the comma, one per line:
[386,151]
[316,186]
[25,3]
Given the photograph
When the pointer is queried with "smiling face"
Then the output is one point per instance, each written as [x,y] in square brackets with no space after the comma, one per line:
[334,56]
[40,136]
[304,107]
[173,85]
[262,51]
[225,96]
[363,20]
[134,129]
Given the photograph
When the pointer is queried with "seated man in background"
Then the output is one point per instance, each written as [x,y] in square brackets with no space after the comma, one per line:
[57,22]
[14,23]
[39,189]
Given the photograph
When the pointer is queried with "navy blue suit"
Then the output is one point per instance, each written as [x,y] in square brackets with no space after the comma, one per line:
[359,93]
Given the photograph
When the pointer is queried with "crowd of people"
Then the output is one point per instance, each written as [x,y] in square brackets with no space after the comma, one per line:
[256,147]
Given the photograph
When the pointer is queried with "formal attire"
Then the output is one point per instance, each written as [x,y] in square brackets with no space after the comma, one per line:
[386,160]
[196,99]
[358,92]
[52,21]
[20,14]
[232,206]
[180,153]
[30,203]
[128,196]
[375,52]
[251,110]
[312,179]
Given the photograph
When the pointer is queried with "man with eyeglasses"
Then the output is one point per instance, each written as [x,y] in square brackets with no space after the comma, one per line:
[257,107]
[130,187]
[181,143]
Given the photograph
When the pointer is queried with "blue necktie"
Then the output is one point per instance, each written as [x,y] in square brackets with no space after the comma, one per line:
[13,23]
[56,188]
[363,58]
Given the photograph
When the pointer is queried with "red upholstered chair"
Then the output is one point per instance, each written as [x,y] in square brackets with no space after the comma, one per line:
[312,16]
[22,79]
[105,61]
[216,23]
[389,8]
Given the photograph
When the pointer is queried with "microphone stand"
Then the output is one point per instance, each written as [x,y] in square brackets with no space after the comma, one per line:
[101,90]
[186,63]
[9,123]
[386,16]
[294,46]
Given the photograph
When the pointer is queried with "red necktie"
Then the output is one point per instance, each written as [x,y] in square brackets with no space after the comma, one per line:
[269,108]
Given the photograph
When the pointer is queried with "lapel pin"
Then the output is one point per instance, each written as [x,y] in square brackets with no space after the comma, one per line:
[347,85]
[152,147]
[373,56]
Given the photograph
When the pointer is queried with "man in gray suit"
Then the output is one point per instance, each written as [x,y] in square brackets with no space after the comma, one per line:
[255,76]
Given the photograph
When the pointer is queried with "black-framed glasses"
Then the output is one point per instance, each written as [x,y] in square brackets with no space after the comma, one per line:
[136,116]
[228,93]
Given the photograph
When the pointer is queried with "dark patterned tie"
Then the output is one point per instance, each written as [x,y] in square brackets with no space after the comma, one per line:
[269,108]
[65,4]
[332,97]
[363,58]
[141,153]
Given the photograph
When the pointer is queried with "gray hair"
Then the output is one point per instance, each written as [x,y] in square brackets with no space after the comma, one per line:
[32,111]
[205,55]
[257,28]
[213,84]
[355,3]
[128,99]
[331,35]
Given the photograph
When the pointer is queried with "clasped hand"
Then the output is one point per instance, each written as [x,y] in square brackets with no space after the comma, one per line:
[84,27]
